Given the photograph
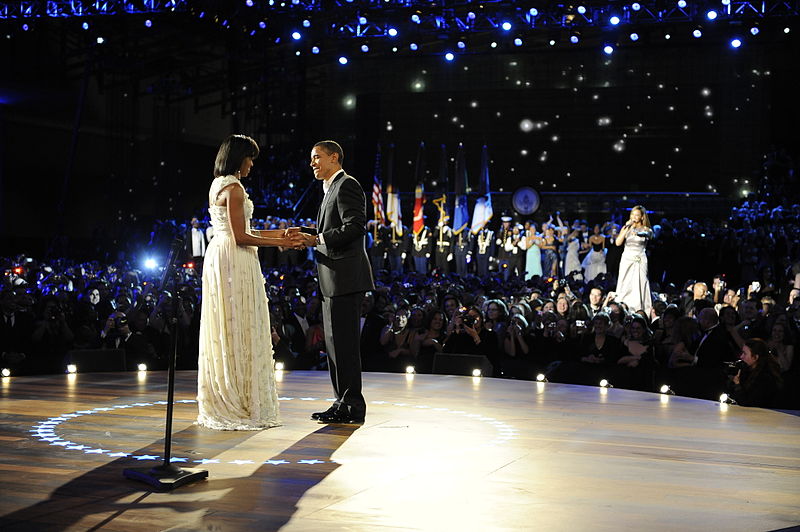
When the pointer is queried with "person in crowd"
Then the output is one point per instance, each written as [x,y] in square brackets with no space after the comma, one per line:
[636,365]
[465,334]
[484,251]
[195,244]
[594,263]
[533,252]
[758,382]
[421,248]
[397,249]
[781,345]
[549,247]
[633,286]
[429,341]
[443,247]
[573,242]
[463,242]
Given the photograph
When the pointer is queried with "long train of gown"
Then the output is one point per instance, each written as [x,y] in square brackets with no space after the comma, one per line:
[235,377]
[594,264]
[633,288]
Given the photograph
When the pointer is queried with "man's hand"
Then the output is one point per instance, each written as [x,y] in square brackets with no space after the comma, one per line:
[307,240]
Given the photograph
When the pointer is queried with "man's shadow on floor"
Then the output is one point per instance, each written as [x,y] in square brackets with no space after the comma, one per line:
[267,499]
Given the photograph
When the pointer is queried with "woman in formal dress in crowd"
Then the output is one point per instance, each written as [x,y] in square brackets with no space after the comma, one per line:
[595,262]
[533,255]
[549,247]
[572,263]
[235,379]
[633,287]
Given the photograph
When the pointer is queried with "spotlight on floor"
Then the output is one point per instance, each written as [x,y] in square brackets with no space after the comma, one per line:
[5,372]
[476,373]
[605,384]
[142,367]
[541,378]
[666,390]
[72,368]
[279,366]
[726,399]
[411,369]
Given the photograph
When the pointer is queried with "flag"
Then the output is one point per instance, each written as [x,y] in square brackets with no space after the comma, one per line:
[461,211]
[377,190]
[393,197]
[483,208]
[441,202]
[419,192]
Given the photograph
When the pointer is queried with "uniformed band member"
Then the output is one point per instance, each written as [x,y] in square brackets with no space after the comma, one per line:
[462,250]
[443,247]
[421,247]
[378,251]
[397,247]
[484,250]
[504,247]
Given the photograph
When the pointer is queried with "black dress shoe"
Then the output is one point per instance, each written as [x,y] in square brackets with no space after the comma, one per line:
[341,416]
[317,415]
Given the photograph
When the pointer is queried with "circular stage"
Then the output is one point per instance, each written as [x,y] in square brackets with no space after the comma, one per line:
[436,453]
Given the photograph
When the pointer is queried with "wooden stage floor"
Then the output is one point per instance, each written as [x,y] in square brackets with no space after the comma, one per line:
[436,453]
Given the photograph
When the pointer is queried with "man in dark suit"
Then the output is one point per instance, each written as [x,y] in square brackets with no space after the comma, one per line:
[344,275]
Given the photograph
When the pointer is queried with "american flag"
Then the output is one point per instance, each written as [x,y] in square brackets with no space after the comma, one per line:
[377,200]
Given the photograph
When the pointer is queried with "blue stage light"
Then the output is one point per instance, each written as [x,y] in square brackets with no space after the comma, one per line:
[681,3]
[506,26]
[461,44]
[449,56]
[614,20]
[415,19]
[306,23]
[342,60]
[100,40]
[413,46]
[608,49]
[315,49]
[517,42]
[726,2]
[471,15]
[636,6]
[754,30]
[574,39]
[697,34]
[581,10]
[150,264]
[362,20]
[296,35]
[736,43]
[533,11]
[25,27]
[634,36]
[148,23]
[249,3]
[262,24]
[364,48]
[392,32]
[85,25]
[711,15]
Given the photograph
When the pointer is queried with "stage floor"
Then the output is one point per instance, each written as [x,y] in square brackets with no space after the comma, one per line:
[436,453]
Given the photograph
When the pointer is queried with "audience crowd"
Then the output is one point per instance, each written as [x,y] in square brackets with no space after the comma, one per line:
[725,318]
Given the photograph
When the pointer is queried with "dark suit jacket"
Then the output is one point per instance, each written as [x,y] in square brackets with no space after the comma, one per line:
[342,263]
[715,349]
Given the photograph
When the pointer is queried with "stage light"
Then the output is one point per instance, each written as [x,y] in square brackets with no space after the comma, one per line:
[25,27]
[697,34]
[362,20]
[787,29]
[142,367]
[449,56]
[605,384]
[711,15]
[506,26]
[517,42]
[754,30]
[574,39]
[614,20]
[476,373]
[581,10]
[342,60]
[306,23]
[85,25]
[279,366]
[726,2]
[634,36]
[533,11]
[415,19]
[315,50]
[493,45]
[296,35]
[100,40]
[681,3]
[392,32]
[410,369]
[72,368]
[665,389]
[413,46]
[471,15]
[736,43]
[608,49]
[552,42]
[249,3]
[726,399]
[636,6]
[148,23]
[667,36]
[5,372]
[461,45]
[526,125]
[541,378]
[364,48]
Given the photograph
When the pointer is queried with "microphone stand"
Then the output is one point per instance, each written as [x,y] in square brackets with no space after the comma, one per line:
[168,476]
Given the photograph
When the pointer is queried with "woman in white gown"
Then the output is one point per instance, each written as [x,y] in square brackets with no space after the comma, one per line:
[595,261]
[633,288]
[235,377]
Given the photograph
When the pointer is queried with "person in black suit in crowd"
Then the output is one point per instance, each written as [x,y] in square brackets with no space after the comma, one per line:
[344,276]
[715,345]
[16,329]
[372,323]
[117,334]
[195,243]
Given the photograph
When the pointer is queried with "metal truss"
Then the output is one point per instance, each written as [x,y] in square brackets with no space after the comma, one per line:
[77,8]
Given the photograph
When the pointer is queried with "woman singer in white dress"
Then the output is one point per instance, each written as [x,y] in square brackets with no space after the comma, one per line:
[633,288]
[235,377]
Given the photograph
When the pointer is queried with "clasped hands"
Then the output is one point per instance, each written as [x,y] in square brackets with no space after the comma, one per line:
[295,239]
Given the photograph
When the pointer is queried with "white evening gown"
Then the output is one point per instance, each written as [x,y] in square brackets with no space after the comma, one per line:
[572,262]
[633,288]
[235,376]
